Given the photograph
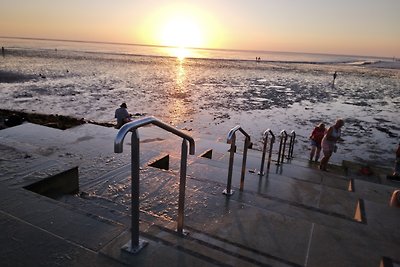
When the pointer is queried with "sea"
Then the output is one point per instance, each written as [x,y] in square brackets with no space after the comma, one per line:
[206,92]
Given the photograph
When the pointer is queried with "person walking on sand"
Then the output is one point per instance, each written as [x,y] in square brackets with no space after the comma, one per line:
[122,115]
[316,139]
[329,143]
[334,78]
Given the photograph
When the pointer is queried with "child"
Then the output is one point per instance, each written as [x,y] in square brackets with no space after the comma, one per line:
[316,138]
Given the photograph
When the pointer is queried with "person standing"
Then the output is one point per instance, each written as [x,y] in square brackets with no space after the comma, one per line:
[122,115]
[329,142]
[334,78]
[316,139]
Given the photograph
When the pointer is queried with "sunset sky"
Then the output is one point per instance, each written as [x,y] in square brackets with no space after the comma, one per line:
[357,27]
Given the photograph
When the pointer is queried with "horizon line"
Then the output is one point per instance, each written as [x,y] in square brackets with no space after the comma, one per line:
[199,48]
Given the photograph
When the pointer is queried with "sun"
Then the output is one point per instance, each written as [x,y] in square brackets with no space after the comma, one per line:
[182,31]
[182,26]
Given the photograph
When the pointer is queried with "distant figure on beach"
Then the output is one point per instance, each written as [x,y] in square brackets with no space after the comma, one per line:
[3,52]
[334,78]
[316,140]
[122,115]
[329,143]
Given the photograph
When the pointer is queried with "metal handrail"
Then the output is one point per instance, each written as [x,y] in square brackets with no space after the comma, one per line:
[281,153]
[265,140]
[291,144]
[232,140]
[135,244]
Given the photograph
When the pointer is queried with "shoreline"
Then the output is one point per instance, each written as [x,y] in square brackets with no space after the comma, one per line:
[10,118]
[65,122]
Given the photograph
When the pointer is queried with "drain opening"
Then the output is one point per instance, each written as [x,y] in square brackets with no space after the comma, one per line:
[64,183]
[162,163]
[207,154]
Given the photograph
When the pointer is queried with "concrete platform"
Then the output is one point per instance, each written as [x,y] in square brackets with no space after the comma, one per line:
[293,216]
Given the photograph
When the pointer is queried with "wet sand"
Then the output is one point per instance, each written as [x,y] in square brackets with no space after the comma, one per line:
[209,97]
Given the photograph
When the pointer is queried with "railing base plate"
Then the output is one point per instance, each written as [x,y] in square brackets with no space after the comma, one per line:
[134,250]
[230,193]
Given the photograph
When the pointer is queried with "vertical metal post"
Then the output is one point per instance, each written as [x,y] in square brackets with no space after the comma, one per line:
[135,155]
[261,173]
[290,147]
[280,150]
[284,147]
[246,144]
[270,151]
[294,138]
[135,245]
[182,186]
[228,190]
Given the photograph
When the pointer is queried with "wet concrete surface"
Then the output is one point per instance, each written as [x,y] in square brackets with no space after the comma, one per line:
[295,216]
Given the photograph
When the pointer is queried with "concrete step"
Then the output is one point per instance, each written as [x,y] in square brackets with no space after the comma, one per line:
[63,221]
[294,216]
[198,243]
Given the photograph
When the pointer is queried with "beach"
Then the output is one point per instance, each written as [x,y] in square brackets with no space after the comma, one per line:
[208,96]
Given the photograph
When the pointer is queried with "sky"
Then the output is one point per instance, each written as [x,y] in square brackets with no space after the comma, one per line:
[348,27]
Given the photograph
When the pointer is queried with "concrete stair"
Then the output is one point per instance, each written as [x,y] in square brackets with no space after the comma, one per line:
[295,215]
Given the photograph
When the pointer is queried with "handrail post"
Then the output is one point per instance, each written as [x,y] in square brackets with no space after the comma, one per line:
[228,191]
[290,147]
[284,145]
[265,139]
[292,139]
[246,145]
[232,140]
[280,150]
[283,139]
[270,149]
[182,186]
[135,244]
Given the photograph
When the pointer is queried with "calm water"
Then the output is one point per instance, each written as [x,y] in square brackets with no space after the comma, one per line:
[210,91]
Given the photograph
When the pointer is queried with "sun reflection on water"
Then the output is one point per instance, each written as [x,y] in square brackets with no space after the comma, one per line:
[178,106]
[181,53]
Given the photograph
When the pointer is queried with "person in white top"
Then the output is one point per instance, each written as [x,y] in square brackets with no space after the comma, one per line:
[329,143]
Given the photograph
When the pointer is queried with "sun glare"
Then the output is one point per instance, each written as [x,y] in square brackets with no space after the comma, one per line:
[181,31]
[181,26]
[180,52]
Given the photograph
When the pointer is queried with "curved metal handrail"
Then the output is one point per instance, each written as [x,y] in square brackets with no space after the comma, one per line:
[135,244]
[281,153]
[231,133]
[265,141]
[130,126]
[232,140]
